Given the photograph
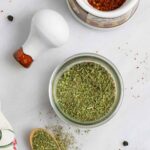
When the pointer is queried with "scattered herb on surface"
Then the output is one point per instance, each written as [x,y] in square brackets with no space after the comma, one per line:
[85,92]
[65,139]
[78,131]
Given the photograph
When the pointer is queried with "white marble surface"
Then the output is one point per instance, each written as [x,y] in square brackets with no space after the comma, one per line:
[24,93]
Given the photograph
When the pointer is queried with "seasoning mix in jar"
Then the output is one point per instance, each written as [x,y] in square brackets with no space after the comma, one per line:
[86,90]
[103,13]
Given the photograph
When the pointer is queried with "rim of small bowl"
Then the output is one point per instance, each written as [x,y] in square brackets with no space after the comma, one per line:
[63,117]
[127,6]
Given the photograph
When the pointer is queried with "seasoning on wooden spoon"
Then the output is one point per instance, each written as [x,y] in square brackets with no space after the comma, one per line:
[41,139]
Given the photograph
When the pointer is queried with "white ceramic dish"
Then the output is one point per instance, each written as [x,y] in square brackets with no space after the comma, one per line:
[94,18]
[127,6]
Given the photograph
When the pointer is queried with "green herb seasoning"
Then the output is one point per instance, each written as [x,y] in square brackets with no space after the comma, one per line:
[65,139]
[85,92]
[43,141]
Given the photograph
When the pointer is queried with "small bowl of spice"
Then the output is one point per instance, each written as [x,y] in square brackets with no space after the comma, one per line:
[103,13]
[86,90]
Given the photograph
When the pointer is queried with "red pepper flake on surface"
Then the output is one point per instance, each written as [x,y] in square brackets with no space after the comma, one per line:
[24,59]
[106,5]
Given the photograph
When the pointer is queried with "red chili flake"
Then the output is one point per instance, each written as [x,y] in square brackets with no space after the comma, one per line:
[106,5]
[24,59]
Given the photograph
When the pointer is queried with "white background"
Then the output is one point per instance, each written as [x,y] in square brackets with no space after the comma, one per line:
[24,93]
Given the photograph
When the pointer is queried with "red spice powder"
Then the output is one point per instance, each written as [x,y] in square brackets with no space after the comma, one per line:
[106,5]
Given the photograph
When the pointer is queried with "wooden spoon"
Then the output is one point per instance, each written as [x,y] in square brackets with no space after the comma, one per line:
[48,132]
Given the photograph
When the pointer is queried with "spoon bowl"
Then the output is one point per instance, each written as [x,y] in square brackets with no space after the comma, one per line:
[34,131]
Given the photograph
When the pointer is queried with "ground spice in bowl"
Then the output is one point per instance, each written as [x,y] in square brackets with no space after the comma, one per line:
[103,13]
[106,5]
[85,92]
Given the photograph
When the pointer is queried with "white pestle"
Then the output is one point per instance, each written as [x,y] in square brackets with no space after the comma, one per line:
[48,30]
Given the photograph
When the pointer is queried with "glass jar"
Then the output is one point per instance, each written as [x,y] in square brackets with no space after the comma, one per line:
[79,58]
